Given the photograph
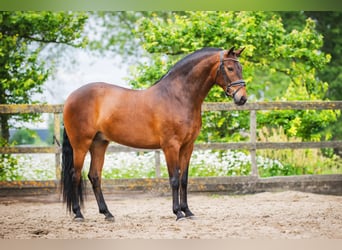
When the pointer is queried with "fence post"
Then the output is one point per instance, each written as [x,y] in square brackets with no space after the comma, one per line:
[57,141]
[253,142]
[157,162]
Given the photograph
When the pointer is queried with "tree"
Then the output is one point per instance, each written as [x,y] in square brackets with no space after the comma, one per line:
[278,64]
[328,24]
[23,36]
[117,33]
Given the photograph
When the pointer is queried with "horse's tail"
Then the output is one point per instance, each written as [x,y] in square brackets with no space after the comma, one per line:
[67,174]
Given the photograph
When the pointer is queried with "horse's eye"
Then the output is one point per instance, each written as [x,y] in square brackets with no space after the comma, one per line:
[230,69]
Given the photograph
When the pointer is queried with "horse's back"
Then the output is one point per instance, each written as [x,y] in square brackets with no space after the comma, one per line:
[93,91]
[94,96]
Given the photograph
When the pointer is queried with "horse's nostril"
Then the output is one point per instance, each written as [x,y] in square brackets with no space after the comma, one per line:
[242,100]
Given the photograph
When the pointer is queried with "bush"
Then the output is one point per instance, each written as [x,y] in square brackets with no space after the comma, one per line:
[8,165]
[296,161]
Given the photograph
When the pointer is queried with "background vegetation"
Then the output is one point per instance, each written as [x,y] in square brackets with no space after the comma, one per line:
[288,56]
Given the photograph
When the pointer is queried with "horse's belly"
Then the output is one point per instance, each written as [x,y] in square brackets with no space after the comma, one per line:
[133,137]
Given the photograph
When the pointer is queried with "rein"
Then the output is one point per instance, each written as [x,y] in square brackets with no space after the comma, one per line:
[229,83]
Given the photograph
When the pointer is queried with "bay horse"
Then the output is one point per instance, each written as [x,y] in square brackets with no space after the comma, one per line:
[166,115]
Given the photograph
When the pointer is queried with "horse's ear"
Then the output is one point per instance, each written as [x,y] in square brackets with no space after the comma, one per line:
[238,52]
[231,51]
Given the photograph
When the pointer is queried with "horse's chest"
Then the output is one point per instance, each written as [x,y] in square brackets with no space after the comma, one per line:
[190,128]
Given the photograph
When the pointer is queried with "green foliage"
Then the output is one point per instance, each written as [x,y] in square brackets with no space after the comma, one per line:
[8,168]
[278,65]
[25,136]
[329,24]
[23,36]
[117,35]
[8,165]
[295,161]
[305,124]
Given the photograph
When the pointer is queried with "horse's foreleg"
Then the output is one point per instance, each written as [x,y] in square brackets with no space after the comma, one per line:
[184,195]
[185,159]
[174,182]
[172,160]
[97,152]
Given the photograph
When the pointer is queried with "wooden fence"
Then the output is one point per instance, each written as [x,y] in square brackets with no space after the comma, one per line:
[251,145]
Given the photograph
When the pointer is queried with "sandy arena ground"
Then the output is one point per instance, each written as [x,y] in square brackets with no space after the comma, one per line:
[283,215]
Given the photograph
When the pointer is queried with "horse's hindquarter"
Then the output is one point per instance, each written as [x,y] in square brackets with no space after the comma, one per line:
[104,108]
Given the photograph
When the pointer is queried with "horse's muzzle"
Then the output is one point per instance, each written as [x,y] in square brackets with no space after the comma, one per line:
[235,93]
[240,100]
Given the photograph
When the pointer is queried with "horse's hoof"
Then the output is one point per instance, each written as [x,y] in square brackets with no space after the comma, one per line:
[189,214]
[110,218]
[181,219]
[79,219]
[191,217]
[180,216]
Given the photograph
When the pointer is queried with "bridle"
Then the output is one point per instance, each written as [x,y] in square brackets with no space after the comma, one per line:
[241,83]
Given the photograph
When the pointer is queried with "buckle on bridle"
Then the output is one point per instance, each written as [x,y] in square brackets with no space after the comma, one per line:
[240,83]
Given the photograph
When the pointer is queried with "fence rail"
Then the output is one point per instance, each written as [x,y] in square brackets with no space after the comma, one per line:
[252,145]
[207,106]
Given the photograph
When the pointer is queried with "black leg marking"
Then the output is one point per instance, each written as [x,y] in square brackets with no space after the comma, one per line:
[77,197]
[184,196]
[99,198]
[174,182]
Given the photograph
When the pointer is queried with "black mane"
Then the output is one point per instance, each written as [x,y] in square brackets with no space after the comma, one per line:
[184,64]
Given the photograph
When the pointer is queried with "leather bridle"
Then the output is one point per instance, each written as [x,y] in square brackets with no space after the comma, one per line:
[229,84]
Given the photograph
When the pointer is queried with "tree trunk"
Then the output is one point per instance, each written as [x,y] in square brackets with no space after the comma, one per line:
[5,135]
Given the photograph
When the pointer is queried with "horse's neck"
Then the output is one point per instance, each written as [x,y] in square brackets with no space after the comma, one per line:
[192,87]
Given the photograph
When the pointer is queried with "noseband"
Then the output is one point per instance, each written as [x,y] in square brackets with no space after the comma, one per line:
[228,82]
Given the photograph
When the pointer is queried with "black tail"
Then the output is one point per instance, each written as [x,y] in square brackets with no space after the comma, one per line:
[67,174]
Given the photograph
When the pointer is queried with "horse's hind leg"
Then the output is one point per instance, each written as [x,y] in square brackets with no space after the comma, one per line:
[97,153]
[77,184]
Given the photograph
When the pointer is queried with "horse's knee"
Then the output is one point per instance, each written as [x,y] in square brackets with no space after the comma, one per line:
[184,181]
[174,179]
[174,182]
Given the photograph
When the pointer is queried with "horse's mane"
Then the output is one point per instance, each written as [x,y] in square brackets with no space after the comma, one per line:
[183,65]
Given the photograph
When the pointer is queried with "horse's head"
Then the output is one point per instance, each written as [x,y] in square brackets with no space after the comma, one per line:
[229,76]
